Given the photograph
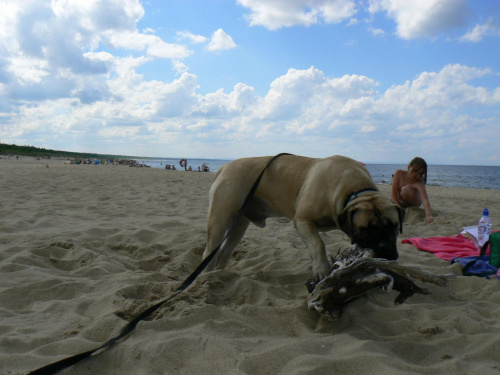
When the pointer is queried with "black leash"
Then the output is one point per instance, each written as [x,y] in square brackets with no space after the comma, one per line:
[55,367]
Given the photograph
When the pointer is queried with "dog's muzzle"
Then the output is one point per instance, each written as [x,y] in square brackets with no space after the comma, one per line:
[386,250]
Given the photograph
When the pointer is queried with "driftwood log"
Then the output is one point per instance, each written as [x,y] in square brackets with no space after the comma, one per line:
[354,272]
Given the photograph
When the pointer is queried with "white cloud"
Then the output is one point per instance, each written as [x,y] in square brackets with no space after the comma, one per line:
[489,28]
[196,39]
[422,18]
[220,41]
[306,101]
[48,47]
[179,66]
[98,15]
[275,14]
[432,93]
[303,111]
[353,21]
[414,18]
[28,70]
[67,72]
[376,32]
[221,105]
[117,132]
[405,127]
[153,44]
[368,129]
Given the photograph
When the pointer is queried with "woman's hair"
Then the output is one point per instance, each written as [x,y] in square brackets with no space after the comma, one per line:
[420,163]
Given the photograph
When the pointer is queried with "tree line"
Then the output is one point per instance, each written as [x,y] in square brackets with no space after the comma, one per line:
[43,152]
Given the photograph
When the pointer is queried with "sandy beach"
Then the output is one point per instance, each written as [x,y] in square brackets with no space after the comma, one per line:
[84,248]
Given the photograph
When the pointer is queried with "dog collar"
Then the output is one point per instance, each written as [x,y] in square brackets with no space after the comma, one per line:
[355,195]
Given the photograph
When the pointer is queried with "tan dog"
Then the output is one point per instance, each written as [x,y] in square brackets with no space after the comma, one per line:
[317,194]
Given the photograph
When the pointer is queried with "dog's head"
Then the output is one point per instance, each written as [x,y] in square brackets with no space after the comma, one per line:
[373,221]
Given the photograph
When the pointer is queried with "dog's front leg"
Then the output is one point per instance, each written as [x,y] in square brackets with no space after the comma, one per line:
[309,233]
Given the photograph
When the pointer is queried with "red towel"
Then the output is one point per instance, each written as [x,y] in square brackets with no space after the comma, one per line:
[445,248]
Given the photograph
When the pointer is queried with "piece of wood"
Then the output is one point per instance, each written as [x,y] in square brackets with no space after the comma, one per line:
[354,272]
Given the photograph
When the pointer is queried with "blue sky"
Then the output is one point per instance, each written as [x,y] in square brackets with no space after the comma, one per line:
[376,80]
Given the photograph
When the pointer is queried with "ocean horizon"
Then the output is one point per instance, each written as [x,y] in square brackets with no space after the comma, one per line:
[466,176]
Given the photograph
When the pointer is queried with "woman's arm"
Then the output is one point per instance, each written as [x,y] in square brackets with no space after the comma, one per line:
[396,190]
[425,201]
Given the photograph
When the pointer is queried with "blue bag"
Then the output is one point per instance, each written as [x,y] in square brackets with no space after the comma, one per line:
[477,265]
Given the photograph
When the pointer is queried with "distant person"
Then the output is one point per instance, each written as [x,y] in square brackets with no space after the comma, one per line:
[408,187]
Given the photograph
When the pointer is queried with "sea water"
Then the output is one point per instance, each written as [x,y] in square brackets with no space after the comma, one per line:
[468,176]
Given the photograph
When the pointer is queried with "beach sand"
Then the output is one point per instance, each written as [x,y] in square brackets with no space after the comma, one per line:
[84,248]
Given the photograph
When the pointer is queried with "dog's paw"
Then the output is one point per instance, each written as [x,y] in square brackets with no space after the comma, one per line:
[321,271]
[310,285]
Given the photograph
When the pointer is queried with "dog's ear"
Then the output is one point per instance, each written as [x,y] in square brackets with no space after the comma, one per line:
[402,213]
[345,220]
[347,215]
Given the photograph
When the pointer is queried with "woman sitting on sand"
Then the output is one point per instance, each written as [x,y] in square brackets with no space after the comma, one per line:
[408,187]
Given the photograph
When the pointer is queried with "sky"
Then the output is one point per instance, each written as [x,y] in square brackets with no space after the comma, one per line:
[380,81]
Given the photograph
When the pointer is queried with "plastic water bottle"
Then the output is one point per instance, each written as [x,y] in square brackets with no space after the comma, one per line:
[483,229]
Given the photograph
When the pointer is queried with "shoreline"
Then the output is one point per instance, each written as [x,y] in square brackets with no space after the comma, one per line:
[30,160]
